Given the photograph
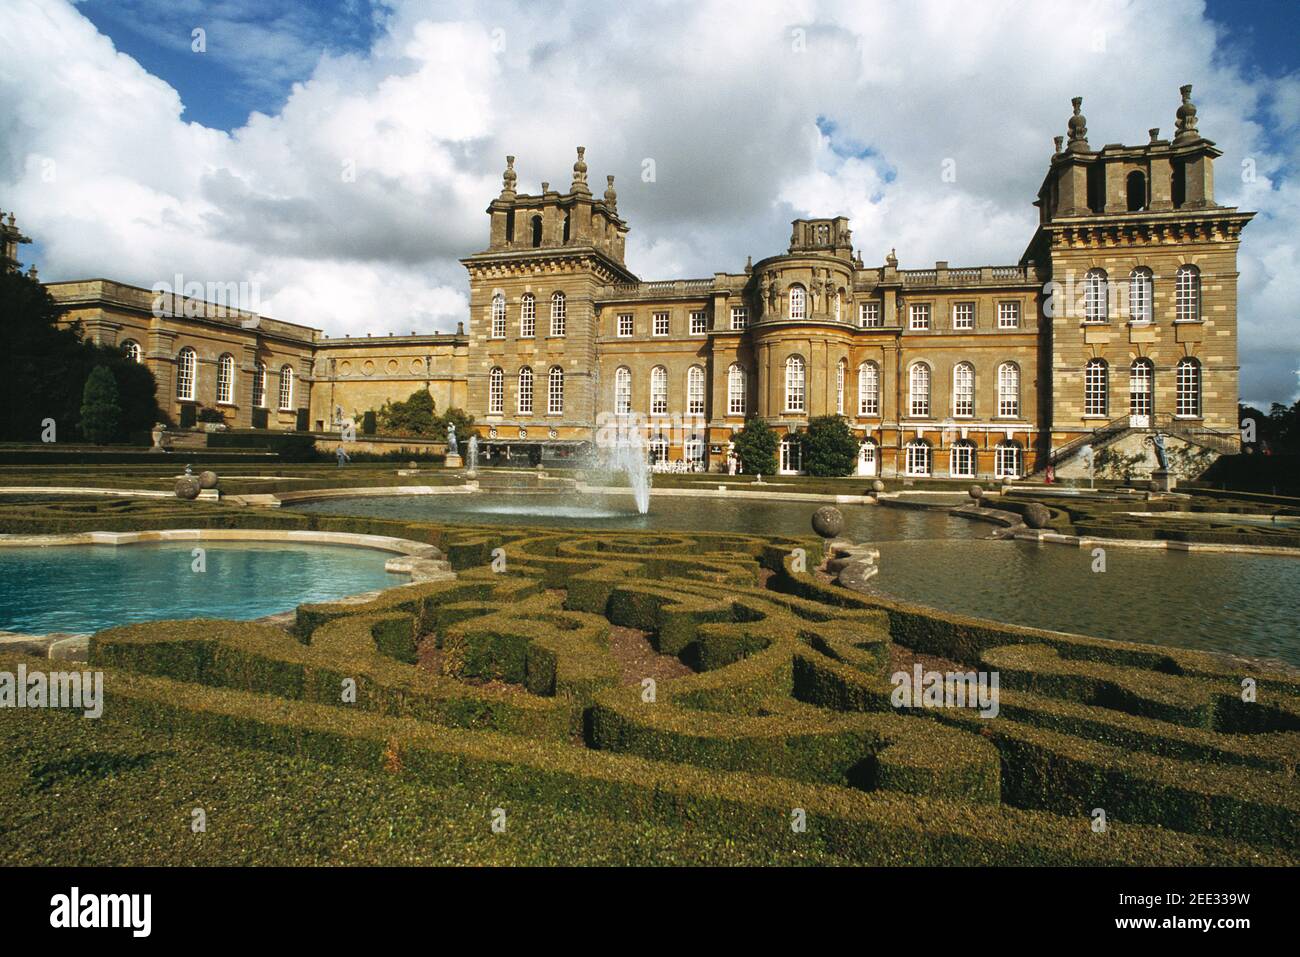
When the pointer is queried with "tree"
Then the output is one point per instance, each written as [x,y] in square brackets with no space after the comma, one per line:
[755,446]
[829,447]
[100,413]
[414,416]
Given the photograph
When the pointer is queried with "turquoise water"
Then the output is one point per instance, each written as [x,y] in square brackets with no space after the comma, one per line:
[83,588]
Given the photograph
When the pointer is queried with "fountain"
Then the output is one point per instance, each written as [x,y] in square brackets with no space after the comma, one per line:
[629,457]
[471,455]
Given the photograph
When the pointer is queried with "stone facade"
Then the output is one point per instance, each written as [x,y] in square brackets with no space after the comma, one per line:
[1119,318]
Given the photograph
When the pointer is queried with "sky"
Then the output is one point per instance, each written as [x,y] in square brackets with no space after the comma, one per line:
[337,157]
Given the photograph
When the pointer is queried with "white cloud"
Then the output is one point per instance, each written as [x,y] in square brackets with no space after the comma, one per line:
[724,97]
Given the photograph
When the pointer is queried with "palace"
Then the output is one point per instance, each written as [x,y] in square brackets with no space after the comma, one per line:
[1119,319]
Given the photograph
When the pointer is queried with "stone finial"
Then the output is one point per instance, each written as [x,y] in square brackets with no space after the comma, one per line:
[611,197]
[508,179]
[580,173]
[1059,141]
[749,265]
[1186,117]
[891,260]
[1154,133]
[546,187]
[1078,128]
[31,272]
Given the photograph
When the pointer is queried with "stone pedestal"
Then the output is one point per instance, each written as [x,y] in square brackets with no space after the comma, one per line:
[1162,480]
[454,461]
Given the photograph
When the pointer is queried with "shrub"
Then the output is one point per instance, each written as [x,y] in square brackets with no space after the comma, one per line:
[755,446]
[101,416]
[829,447]
[368,422]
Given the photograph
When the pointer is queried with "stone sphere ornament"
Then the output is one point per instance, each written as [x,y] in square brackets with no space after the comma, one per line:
[1037,515]
[208,480]
[187,487]
[828,521]
[976,492]
[877,486]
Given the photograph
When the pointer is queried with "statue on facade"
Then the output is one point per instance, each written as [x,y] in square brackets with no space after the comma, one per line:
[774,297]
[1157,442]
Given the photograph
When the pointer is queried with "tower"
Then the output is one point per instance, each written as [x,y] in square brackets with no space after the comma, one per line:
[10,238]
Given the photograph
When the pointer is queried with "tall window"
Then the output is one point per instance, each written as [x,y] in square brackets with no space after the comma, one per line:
[699,324]
[1139,295]
[1095,387]
[735,390]
[791,455]
[658,391]
[961,460]
[498,316]
[798,302]
[625,325]
[869,314]
[559,312]
[868,389]
[841,372]
[528,316]
[131,349]
[555,391]
[739,317]
[259,385]
[1141,378]
[918,315]
[917,461]
[226,379]
[963,315]
[1095,294]
[1187,294]
[286,388]
[525,397]
[1007,460]
[794,384]
[1009,390]
[187,366]
[963,389]
[496,391]
[918,382]
[1008,315]
[1188,396]
[695,391]
[660,324]
[623,391]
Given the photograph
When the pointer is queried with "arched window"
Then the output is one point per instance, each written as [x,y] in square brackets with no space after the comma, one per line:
[286,388]
[623,391]
[131,349]
[791,455]
[868,389]
[917,458]
[558,313]
[1187,294]
[528,316]
[1188,381]
[259,385]
[798,302]
[496,391]
[498,316]
[226,379]
[918,382]
[537,231]
[1141,379]
[1007,460]
[1095,294]
[525,398]
[961,459]
[1095,388]
[1009,390]
[736,390]
[794,384]
[1136,187]
[555,391]
[1139,295]
[841,373]
[963,389]
[187,367]
[658,391]
[694,391]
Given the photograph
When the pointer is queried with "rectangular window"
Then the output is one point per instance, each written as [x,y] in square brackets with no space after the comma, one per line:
[625,325]
[1008,315]
[963,460]
[528,318]
[1006,462]
[869,315]
[739,317]
[559,313]
[698,324]
[661,323]
[918,316]
[918,458]
[963,315]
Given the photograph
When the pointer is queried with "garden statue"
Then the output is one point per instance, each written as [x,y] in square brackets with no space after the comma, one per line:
[1157,442]
[451,439]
